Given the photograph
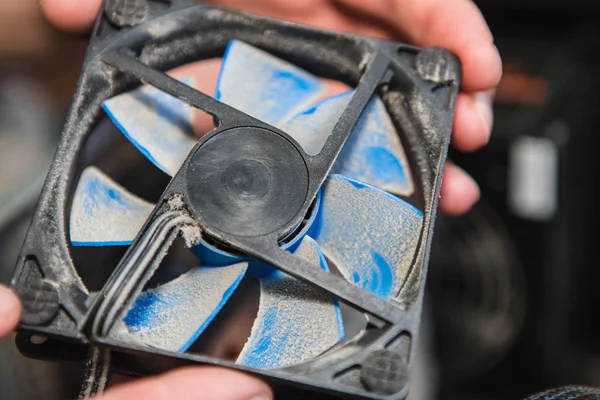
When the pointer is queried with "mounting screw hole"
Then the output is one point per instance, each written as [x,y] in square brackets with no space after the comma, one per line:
[40,302]
[435,65]
[384,372]
[124,13]
[38,339]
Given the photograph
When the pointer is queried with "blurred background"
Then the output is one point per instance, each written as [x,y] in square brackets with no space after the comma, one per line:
[512,305]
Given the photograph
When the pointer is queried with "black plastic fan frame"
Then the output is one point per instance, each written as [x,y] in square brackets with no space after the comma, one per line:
[134,42]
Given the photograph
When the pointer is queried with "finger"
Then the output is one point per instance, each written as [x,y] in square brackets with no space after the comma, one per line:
[117,379]
[457,25]
[459,191]
[73,16]
[10,311]
[193,383]
[473,120]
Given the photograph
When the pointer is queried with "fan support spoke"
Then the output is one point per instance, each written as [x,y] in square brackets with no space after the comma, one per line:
[218,110]
[267,250]
[320,165]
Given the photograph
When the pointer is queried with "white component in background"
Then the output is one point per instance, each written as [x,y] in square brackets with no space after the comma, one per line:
[533,178]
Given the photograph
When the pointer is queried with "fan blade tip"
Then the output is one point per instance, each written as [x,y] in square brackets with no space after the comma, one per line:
[173,315]
[159,125]
[289,332]
[295,322]
[376,257]
[103,213]
[224,298]
[374,152]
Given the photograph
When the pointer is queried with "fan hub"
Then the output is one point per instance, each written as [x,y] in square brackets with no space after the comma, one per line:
[247,178]
[247,181]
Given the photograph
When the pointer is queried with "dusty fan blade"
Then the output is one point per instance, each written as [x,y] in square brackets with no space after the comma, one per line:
[311,127]
[264,86]
[104,213]
[369,234]
[173,315]
[159,125]
[373,152]
[295,322]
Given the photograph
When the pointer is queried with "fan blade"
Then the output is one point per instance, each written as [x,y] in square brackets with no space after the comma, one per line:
[311,128]
[172,316]
[159,125]
[294,322]
[264,86]
[104,213]
[370,235]
[373,152]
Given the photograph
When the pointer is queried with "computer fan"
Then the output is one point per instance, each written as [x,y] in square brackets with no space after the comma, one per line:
[329,202]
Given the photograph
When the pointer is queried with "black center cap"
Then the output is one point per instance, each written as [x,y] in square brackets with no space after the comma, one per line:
[247,182]
[247,178]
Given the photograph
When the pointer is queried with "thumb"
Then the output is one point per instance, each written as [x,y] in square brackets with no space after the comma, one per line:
[193,383]
[10,310]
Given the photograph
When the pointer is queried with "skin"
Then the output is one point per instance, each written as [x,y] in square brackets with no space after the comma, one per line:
[455,24]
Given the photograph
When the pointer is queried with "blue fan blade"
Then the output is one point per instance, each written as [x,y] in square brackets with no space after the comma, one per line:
[295,322]
[312,127]
[373,152]
[264,86]
[103,213]
[370,235]
[159,125]
[172,316]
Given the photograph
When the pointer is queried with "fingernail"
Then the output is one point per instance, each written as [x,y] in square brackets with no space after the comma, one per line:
[483,105]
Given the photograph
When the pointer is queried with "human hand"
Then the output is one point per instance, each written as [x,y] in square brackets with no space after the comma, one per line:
[10,311]
[454,24]
[193,383]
